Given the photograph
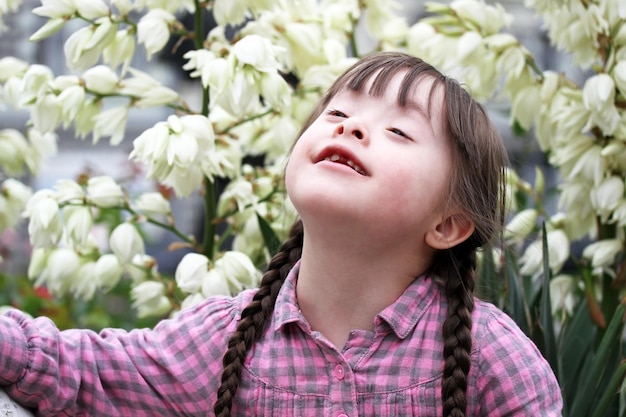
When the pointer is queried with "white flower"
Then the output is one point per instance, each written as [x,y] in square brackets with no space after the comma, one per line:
[84,120]
[51,27]
[619,75]
[72,100]
[153,30]
[92,9]
[126,242]
[490,18]
[521,224]
[558,252]
[470,44]
[257,51]
[562,297]
[13,198]
[215,283]
[524,106]
[56,8]
[44,226]
[13,151]
[607,195]
[121,49]
[238,270]
[101,79]
[108,271]
[237,195]
[153,204]
[61,270]
[38,262]
[82,48]
[46,113]
[149,299]
[148,91]
[104,192]
[176,151]
[11,67]
[111,122]
[191,271]
[229,12]
[86,284]
[599,98]
[68,190]
[603,252]
[142,268]
[123,6]
[78,223]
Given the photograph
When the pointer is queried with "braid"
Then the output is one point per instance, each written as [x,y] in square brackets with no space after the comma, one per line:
[254,319]
[457,328]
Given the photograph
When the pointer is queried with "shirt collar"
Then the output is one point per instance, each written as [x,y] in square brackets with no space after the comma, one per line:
[401,316]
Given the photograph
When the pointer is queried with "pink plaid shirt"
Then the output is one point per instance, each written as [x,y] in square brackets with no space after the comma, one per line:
[174,370]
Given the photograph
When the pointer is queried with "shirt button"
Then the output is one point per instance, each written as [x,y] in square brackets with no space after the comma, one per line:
[340,374]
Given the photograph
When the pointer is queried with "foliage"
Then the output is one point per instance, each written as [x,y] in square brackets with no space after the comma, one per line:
[259,71]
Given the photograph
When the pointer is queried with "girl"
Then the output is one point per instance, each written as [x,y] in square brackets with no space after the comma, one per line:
[367,310]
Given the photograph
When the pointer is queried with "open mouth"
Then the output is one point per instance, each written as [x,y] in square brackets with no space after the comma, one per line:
[340,157]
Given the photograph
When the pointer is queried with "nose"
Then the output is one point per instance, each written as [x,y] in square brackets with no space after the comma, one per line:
[353,127]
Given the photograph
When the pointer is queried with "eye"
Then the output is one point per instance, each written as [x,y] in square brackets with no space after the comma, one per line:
[337,113]
[398,132]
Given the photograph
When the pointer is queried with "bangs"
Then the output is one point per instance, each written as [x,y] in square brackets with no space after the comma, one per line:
[381,70]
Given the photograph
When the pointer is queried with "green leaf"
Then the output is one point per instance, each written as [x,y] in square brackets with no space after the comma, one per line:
[589,386]
[545,312]
[610,390]
[516,301]
[269,236]
[575,342]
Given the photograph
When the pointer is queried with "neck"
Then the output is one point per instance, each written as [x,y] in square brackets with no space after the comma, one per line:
[346,278]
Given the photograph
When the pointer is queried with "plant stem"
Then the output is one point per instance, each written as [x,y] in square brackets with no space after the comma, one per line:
[210,212]
[210,202]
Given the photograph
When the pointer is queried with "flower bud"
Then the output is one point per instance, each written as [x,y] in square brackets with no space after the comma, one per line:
[149,299]
[86,284]
[78,223]
[521,225]
[61,269]
[191,271]
[238,270]
[126,242]
[101,80]
[104,192]
[51,27]
[215,283]
[108,271]
[603,252]
[153,204]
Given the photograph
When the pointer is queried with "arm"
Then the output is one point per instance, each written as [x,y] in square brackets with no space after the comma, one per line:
[172,369]
[514,379]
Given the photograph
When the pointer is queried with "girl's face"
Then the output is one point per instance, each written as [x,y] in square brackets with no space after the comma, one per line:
[369,161]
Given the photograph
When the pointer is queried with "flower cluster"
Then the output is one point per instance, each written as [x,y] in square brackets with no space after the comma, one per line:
[259,72]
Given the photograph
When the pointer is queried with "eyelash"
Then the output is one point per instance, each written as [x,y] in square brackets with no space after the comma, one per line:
[395,131]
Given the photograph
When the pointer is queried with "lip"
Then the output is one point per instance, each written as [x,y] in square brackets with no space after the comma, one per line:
[343,155]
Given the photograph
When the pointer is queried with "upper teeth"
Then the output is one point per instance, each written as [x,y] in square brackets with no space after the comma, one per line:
[335,157]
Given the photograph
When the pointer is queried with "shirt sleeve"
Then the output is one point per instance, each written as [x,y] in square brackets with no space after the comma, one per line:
[171,370]
[514,379]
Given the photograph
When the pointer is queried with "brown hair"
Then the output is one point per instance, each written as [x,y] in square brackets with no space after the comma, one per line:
[477,186]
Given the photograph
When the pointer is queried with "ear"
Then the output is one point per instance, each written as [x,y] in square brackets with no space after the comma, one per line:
[453,229]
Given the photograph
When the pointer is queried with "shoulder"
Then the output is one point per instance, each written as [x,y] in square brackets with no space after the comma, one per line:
[512,375]
[213,318]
